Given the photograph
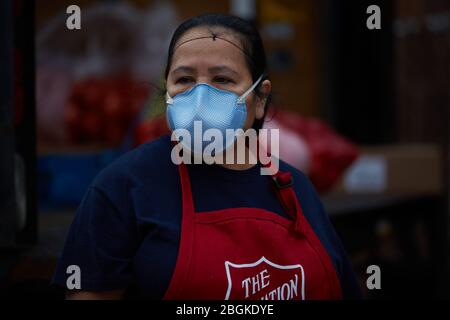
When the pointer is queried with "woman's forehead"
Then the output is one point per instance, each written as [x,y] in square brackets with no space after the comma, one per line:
[199,33]
[198,47]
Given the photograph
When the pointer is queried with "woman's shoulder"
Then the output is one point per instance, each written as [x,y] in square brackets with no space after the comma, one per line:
[305,191]
[147,160]
[300,179]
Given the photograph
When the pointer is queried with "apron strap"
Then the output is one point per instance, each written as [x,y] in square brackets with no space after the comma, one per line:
[186,190]
[283,182]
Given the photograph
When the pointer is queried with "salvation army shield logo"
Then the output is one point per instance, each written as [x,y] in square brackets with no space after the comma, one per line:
[264,280]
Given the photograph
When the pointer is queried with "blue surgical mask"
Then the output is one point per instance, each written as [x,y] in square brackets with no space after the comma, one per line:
[214,108]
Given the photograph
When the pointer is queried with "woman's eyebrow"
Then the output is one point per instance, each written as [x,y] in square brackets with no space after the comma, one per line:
[184,69]
[219,69]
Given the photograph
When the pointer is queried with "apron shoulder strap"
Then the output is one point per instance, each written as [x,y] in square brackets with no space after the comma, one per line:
[283,182]
[186,190]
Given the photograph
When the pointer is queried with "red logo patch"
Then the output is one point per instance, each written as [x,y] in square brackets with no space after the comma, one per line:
[264,280]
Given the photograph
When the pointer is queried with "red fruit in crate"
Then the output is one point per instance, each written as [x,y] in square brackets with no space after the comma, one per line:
[72,115]
[91,125]
[91,96]
[113,133]
[150,129]
[112,106]
[137,102]
[72,119]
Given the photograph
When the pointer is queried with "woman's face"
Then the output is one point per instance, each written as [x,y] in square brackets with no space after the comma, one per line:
[217,63]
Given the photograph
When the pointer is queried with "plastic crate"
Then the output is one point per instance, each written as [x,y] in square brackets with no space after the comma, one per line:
[64,178]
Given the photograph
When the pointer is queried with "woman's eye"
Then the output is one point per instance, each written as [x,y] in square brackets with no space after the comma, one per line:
[222,80]
[183,80]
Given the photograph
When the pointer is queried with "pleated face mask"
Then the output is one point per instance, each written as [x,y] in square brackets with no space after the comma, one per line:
[213,108]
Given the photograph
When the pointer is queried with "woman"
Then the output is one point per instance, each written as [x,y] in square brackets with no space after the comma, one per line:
[200,231]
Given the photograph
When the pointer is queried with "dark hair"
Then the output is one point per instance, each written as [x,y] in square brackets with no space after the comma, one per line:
[251,45]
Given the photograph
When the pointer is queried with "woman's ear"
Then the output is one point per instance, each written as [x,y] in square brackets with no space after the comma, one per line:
[266,87]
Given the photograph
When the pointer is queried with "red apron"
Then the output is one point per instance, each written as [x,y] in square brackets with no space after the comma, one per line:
[250,253]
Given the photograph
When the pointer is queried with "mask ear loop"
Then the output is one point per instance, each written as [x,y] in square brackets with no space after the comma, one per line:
[246,93]
[169,99]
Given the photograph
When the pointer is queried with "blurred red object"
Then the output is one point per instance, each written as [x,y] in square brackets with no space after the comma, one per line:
[330,153]
[308,144]
[151,129]
[102,110]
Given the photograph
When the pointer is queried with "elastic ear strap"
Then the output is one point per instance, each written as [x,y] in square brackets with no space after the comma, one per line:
[246,93]
[169,100]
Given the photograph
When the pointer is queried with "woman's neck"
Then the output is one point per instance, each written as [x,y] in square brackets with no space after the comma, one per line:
[250,161]
[238,167]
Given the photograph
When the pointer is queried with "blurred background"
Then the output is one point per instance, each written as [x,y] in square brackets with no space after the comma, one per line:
[365,113]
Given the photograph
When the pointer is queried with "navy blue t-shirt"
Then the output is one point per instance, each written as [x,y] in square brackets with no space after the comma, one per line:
[126,231]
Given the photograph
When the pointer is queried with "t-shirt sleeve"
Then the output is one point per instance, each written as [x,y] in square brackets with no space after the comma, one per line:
[101,242]
[321,223]
[349,283]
